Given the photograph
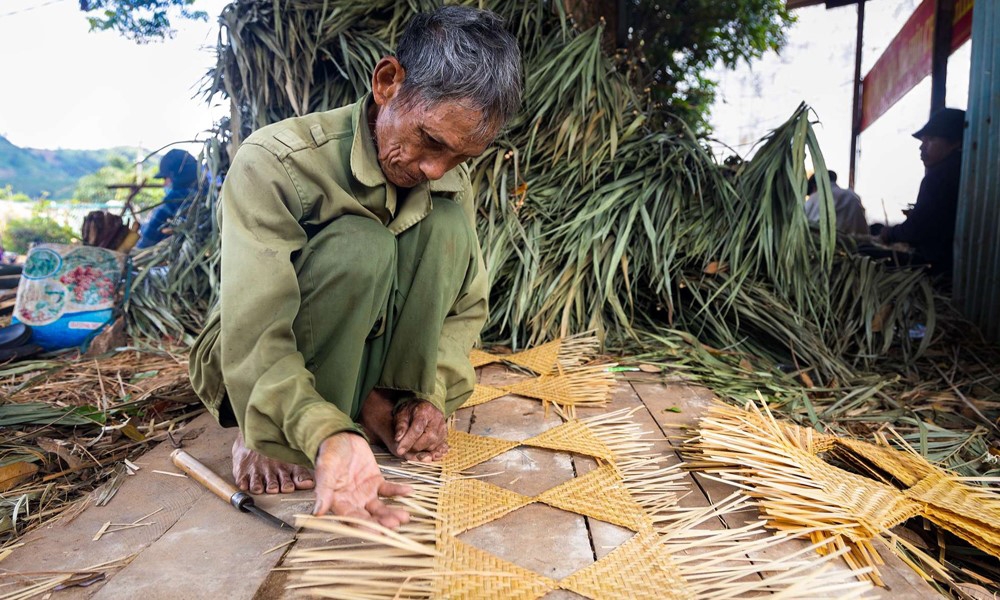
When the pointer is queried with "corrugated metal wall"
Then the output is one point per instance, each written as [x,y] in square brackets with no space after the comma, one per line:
[977,238]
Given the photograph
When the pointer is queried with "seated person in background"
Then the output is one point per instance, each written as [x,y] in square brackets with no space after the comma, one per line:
[929,227]
[180,171]
[850,214]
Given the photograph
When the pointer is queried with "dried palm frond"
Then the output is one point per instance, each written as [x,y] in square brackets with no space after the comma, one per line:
[970,512]
[67,427]
[31,585]
[779,464]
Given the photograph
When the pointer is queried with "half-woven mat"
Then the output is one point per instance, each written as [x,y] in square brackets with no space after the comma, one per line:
[673,555]
[581,386]
[547,359]
[798,491]
[970,512]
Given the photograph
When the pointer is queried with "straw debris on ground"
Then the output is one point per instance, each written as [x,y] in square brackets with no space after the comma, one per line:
[69,428]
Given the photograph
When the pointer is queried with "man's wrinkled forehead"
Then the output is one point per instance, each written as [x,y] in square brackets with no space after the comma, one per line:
[453,124]
[479,127]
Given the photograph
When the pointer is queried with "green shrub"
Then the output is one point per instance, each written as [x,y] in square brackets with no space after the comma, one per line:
[20,234]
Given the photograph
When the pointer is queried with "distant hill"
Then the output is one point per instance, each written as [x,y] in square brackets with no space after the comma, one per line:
[33,172]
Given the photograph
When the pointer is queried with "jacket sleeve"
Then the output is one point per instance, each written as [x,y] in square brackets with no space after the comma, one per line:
[455,377]
[151,231]
[273,395]
[925,220]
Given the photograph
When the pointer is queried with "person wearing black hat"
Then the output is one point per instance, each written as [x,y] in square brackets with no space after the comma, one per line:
[930,226]
[179,170]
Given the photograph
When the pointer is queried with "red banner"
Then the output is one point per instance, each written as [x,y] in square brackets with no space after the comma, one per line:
[907,60]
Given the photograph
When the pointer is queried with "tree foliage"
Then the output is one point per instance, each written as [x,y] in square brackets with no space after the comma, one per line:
[674,44]
[20,234]
[7,193]
[139,20]
[93,188]
[671,44]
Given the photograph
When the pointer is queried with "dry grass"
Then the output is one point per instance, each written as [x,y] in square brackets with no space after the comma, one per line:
[68,425]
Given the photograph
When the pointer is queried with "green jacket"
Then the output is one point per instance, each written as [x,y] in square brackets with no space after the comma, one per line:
[288,179]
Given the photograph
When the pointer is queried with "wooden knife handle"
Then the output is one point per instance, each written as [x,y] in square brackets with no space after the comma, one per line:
[203,475]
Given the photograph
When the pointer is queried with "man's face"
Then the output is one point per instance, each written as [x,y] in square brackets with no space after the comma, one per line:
[934,149]
[421,141]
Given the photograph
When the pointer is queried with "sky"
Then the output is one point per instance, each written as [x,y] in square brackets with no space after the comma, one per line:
[65,87]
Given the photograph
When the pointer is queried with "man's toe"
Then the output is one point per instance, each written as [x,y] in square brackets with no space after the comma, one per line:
[272,481]
[287,485]
[303,479]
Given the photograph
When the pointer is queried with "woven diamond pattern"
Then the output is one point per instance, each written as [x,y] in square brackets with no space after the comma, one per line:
[469,450]
[602,495]
[639,568]
[572,436]
[468,573]
[482,394]
[469,503]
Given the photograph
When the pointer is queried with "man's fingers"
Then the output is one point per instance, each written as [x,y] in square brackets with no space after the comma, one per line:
[418,424]
[408,440]
[402,417]
[323,504]
[387,516]
[350,508]
[388,489]
[429,440]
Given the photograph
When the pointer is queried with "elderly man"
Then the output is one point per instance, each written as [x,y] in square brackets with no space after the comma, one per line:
[353,286]
[930,226]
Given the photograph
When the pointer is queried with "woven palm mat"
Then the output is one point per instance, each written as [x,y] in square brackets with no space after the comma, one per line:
[547,359]
[584,386]
[799,492]
[670,552]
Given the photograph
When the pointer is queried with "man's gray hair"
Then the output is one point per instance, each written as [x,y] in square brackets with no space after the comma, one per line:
[463,54]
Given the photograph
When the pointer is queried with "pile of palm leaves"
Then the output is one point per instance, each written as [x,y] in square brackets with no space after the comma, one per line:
[591,219]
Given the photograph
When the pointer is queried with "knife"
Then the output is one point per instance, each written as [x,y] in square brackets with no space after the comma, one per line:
[222,488]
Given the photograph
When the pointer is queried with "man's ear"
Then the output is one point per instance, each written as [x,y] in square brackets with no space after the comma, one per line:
[387,79]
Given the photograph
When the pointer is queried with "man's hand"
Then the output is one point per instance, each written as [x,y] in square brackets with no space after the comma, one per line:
[420,431]
[349,483]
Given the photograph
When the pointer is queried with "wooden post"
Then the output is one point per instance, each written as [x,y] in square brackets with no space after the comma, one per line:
[856,96]
[624,21]
[944,16]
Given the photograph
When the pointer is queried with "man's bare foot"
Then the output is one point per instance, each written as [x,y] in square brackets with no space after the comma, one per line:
[416,432]
[256,473]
